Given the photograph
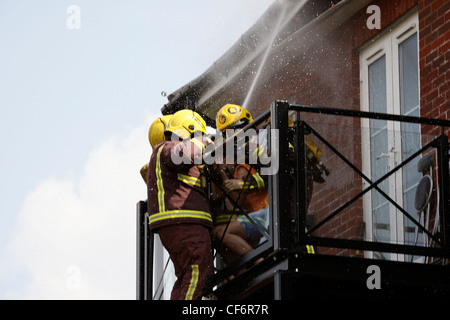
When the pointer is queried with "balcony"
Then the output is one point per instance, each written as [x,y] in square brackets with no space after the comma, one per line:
[377,231]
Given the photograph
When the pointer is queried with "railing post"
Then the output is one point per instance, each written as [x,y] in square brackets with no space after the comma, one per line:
[149,247]
[140,239]
[279,180]
[300,177]
[144,254]
[444,190]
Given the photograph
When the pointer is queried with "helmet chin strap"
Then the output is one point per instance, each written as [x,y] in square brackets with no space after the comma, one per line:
[238,124]
[170,136]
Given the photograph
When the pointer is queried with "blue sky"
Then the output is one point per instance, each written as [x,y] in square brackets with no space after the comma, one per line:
[75,106]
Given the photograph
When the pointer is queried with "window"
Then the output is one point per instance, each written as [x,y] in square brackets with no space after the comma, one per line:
[390,84]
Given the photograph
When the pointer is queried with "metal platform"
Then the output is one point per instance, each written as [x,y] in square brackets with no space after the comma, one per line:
[285,270]
[288,276]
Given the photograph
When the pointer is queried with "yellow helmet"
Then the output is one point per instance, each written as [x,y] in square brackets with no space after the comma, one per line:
[156,131]
[185,122]
[232,115]
[313,147]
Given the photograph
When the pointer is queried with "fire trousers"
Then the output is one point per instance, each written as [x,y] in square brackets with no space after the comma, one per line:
[189,247]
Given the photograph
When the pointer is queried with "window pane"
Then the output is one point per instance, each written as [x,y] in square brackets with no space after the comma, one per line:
[378,149]
[409,75]
[377,90]
[409,105]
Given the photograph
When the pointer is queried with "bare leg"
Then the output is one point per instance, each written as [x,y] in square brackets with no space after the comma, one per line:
[233,245]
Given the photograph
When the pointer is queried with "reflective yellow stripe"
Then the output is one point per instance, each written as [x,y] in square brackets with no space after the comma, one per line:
[247,185]
[261,151]
[189,180]
[224,218]
[198,144]
[309,249]
[259,180]
[258,152]
[159,182]
[193,283]
[174,214]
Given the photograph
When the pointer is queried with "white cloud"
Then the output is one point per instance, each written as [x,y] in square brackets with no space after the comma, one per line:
[75,239]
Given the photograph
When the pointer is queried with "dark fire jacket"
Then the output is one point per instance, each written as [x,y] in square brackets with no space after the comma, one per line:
[175,194]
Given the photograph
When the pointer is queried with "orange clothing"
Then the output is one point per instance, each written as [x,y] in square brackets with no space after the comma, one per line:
[256,196]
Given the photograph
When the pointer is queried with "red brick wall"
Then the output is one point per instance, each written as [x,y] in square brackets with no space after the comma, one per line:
[434,53]
[434,56]
[328,75]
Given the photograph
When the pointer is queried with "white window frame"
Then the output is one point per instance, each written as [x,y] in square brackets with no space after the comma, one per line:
[386,44]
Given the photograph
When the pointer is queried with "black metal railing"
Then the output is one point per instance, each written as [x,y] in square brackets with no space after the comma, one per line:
[144,254]
[288,231]
[440,144]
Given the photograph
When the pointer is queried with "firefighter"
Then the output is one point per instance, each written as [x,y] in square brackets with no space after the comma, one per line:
[240,236]
[234,234]
[155,136]
[178,206]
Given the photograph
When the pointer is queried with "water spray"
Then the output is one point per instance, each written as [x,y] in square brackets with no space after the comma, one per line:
[282,18]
